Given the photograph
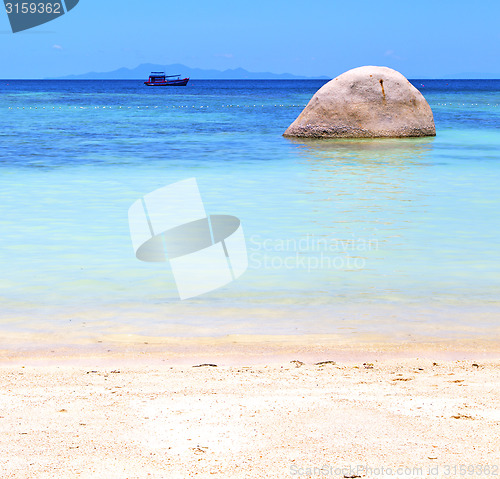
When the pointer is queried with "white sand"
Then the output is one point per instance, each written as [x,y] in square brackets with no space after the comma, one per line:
[139,413]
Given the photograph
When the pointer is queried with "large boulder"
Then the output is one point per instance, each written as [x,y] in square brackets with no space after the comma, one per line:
[365,102]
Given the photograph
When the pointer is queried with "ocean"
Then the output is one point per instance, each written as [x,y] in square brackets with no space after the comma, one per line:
[393,239]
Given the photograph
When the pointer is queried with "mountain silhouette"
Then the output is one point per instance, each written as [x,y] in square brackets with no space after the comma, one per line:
[142,72]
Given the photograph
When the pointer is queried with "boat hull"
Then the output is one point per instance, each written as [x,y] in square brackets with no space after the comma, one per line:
[181,82]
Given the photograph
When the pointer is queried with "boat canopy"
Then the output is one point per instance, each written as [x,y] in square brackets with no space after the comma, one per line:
[162,75]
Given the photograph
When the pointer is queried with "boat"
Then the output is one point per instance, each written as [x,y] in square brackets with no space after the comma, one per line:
[160,79]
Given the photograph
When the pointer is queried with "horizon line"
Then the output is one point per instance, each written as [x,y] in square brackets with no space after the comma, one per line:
[230,79]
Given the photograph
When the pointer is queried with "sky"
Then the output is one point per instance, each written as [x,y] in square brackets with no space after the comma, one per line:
[421,39]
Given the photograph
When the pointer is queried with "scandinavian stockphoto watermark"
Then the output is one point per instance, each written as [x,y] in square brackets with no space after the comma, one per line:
[24,15]
[371,470]
[205,252]
[310,252]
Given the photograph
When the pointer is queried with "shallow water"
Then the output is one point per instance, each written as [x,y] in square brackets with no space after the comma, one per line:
[389,237]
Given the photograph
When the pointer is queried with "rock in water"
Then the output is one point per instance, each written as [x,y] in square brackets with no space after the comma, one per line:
[365,102]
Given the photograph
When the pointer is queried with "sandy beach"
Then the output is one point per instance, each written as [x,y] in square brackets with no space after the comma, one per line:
[254,407]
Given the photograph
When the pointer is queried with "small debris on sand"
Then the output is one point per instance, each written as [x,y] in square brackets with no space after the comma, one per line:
[324,363]
[199,449]
[461,416]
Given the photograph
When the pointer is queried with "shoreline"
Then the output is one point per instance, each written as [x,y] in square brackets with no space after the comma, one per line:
[234,350]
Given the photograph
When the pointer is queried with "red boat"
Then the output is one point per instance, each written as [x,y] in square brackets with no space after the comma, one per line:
[160,79]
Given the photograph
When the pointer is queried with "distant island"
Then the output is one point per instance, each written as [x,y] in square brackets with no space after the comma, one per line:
[142,71]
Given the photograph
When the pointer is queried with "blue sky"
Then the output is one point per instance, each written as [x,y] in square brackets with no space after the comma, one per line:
[422,39]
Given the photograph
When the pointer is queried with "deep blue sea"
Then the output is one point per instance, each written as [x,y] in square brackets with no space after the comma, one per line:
[387,238]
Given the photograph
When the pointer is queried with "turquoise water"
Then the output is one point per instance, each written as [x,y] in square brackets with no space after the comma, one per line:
[397,238]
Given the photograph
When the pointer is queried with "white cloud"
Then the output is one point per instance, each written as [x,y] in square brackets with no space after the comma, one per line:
[392,54]
[57,47]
